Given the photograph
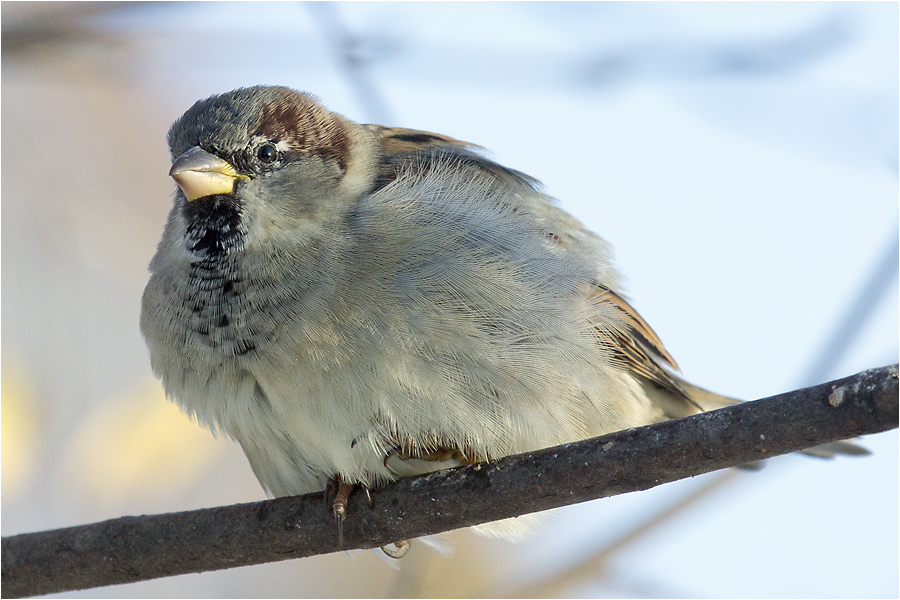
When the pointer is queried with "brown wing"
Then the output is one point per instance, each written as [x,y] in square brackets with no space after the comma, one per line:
[403,149]
[396,140]
[637,326]
[636,347]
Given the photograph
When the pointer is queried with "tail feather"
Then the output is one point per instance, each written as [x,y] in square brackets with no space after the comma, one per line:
[830,450]
[674,407]
[690,399]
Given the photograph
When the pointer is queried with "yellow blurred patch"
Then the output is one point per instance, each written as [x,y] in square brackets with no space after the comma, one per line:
[19,430]
[138,445]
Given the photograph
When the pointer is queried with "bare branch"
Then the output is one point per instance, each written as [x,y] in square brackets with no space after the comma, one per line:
[133,549]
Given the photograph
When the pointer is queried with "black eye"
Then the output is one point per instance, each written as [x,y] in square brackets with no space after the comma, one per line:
[267,153]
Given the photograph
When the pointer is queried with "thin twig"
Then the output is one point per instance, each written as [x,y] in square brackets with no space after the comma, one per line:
[139,548]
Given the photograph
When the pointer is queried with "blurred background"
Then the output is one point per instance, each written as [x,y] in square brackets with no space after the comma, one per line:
[742,158]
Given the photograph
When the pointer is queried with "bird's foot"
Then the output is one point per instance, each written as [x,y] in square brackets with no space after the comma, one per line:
[342,492]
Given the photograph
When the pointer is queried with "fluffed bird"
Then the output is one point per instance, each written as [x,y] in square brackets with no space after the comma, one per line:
[356,303]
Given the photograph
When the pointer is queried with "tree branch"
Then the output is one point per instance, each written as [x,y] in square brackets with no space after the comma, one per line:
[132,549]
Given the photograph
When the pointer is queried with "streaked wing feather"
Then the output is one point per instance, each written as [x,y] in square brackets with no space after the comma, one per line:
[639,328]
[636,347]
[404,149]
[397,140]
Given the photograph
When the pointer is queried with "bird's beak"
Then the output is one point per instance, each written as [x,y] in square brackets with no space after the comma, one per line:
[198,173]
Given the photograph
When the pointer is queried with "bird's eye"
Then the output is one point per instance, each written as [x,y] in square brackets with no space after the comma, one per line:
[267,153]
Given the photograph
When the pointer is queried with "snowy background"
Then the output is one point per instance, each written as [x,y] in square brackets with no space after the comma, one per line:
[742,158]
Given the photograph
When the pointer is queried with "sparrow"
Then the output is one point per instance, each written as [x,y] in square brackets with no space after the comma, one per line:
[355,303]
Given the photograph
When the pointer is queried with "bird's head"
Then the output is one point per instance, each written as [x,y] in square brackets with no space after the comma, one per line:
[262,161]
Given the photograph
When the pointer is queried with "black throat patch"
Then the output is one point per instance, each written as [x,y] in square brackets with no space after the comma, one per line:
[213,226]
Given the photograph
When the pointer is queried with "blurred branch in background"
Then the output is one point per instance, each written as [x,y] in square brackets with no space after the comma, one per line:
[138,548]
[683,58]
[351,56]
[45,25]
[876,285]
[596,565]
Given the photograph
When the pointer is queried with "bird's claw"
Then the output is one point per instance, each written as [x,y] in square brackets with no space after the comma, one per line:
[341,497]
[339,515]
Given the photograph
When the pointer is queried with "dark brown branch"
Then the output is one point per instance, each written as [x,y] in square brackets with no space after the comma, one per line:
[138,548]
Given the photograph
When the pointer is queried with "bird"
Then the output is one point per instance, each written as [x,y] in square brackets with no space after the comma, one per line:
[358,303]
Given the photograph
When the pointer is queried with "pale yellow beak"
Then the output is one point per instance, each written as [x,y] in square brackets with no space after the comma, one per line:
[198,173]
